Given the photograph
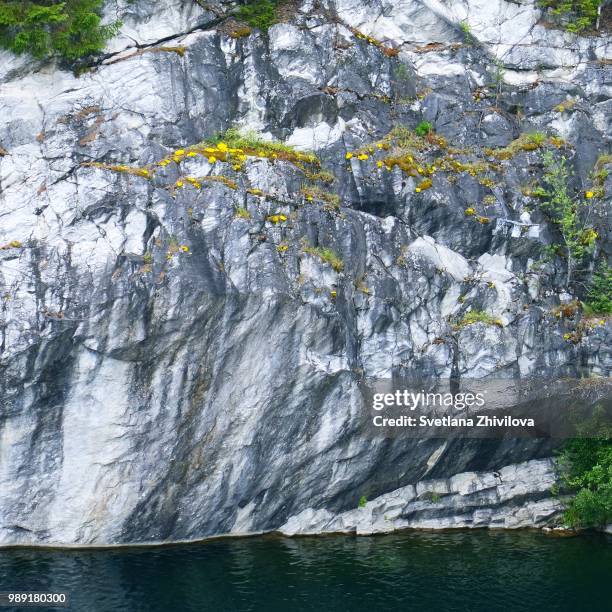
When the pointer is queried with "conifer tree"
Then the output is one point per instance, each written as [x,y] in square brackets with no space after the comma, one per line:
[68,28]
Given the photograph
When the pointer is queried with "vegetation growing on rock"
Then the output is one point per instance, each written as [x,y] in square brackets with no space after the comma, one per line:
[566,212]
[70,29]
[599,296]
[586,465]
[253,145]
[120,168]
[261,14]
[386,50]
[531,141]
[326,255]
[313,194]
[477,316]
[423,128]
[580,14]
[234,148]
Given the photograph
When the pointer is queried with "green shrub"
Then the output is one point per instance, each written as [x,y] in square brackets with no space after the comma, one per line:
[586,465]
[363,500]
[259,13]
[565,212]
[468,37]
[423,128]
[582,13]
[599,294]
[535,138]
[69,29]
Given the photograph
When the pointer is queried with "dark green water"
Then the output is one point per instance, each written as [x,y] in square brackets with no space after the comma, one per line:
[437,572]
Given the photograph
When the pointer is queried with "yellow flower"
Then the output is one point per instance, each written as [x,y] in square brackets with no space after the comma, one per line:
[191,154]
[209,150]
[349,156]
[180,152]
[418,190]
[179,183]
[309,198]
[589,236]
[144,172]
[237,167]
[379,164]
[184,248]
[363,157]
[470,211]
[222,147]
[589,194]
[379,145]
[194,182]
[212,159]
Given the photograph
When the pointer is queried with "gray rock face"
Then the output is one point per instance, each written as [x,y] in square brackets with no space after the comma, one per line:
[172,370]
[516,496]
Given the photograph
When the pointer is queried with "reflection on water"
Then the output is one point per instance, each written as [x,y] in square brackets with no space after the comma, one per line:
[463,571]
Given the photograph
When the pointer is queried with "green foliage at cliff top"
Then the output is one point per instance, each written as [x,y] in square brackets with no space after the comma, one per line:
[582,13]
[587,468]
[259,13]
[69,29]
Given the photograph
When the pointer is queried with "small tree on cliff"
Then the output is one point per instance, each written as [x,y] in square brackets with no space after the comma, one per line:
[584,14]
[568,213]
[69,29]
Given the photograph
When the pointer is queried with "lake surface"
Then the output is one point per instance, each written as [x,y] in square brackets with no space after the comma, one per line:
[435,572]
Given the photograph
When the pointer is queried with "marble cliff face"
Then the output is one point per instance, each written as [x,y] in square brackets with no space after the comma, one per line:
[182,359]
